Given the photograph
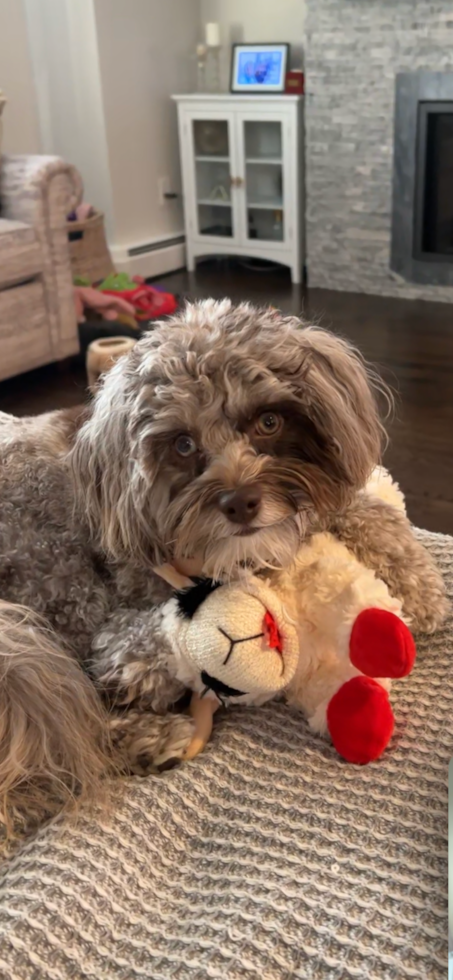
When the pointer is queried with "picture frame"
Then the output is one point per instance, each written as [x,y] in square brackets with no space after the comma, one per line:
[259,68]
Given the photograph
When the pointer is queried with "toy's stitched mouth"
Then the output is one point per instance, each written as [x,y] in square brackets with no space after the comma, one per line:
[233,643]
[273,639]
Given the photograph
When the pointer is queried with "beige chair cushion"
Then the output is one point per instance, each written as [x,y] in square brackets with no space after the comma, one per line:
[20,253]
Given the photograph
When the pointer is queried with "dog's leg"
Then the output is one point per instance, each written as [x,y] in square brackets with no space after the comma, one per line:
[132,668]
[382,538]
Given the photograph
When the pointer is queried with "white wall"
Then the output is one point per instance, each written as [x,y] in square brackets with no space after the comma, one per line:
[259,20]
[104,72]
[63,45]
[20,116]
[146,53]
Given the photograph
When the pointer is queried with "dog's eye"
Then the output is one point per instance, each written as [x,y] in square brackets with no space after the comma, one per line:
[268,424]
[185,445]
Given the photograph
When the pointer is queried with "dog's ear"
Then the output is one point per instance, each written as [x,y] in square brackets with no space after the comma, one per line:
[111,487]
[336,392]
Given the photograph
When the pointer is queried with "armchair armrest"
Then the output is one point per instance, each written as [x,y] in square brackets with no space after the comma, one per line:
[26,185]
[41,191]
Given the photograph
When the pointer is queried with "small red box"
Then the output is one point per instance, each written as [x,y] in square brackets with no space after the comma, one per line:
[294,84]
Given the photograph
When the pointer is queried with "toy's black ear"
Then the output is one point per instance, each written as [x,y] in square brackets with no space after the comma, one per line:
[191,598]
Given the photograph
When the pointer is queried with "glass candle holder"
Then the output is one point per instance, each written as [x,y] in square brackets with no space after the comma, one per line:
[213,69]
[201,55]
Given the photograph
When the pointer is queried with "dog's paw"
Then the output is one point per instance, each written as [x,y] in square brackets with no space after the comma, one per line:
[174,746]
[149,743]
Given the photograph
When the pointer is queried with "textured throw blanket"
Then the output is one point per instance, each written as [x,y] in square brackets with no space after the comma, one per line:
[267,858]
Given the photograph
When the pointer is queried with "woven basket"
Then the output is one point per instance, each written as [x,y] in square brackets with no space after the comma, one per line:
[90,257]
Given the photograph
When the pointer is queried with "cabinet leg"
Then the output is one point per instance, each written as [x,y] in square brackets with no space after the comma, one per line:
[190,259]
[296,274]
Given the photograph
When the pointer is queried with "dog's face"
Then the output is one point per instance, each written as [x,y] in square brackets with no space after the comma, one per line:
[226,433]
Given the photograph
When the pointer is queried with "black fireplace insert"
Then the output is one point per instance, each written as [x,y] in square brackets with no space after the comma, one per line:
[422,215]
[434,182]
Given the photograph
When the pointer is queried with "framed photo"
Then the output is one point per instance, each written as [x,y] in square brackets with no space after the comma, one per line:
[259,68]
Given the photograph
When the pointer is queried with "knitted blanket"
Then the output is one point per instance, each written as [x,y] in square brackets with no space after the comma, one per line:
[267,858]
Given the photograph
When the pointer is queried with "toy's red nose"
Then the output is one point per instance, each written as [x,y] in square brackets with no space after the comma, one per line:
[272,633]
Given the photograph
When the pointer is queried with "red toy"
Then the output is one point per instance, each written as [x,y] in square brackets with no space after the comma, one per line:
[149,302]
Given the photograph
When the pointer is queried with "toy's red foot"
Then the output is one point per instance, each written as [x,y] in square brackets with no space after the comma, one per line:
[381,644]
[360,720]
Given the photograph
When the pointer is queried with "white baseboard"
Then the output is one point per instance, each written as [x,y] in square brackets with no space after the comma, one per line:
[153,258]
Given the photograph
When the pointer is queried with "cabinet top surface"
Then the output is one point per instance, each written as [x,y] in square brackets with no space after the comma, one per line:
[235,97]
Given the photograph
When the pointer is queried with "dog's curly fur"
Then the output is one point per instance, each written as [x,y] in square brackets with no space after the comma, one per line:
[208,375]
[43,692]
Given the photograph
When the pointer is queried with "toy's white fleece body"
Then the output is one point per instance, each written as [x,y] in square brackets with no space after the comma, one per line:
[382,485]
[325,590]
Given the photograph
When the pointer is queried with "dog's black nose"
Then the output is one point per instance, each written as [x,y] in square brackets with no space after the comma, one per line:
[241,506]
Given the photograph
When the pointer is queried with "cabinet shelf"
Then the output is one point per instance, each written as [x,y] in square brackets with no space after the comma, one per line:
[276,205]
[213,202]
[211,159]
[272,161]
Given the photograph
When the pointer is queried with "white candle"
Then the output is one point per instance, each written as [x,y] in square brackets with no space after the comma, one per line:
[213,35]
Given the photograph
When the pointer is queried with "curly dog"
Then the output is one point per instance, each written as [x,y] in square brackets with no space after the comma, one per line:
[231,432]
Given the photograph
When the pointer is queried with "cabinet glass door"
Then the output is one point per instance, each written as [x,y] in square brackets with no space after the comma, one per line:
[264,191]
[212,151]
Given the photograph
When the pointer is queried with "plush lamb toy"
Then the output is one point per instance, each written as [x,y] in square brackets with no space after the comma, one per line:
[325,633]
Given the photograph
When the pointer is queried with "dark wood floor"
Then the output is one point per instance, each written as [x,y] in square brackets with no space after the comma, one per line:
[410,343]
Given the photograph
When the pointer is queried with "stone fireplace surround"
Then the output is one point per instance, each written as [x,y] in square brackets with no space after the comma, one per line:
[353,52]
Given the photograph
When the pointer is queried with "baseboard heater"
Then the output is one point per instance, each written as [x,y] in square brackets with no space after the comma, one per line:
[156,246]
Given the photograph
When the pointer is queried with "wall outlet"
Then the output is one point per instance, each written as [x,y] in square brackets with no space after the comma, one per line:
[163,185]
